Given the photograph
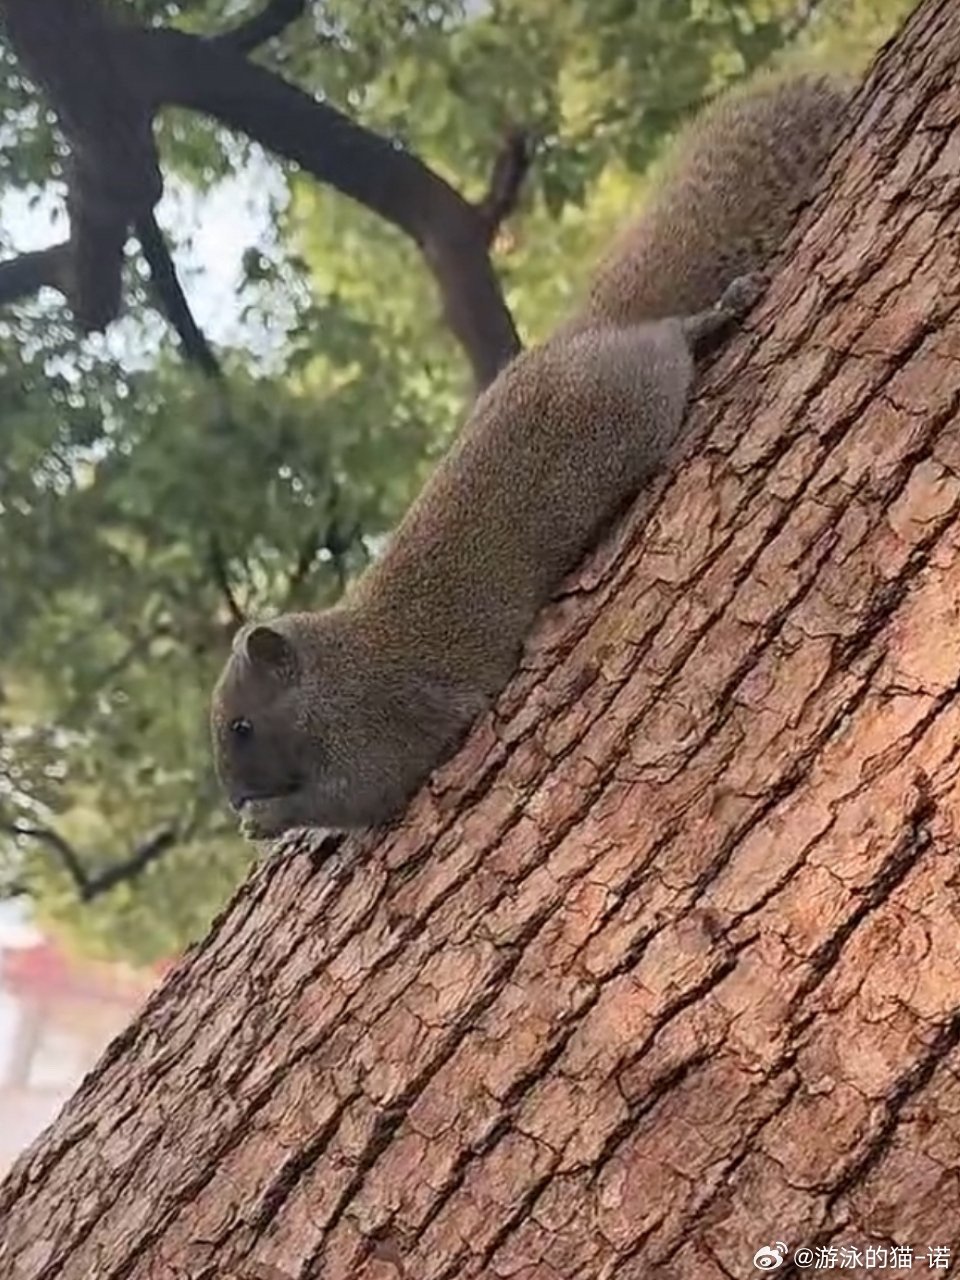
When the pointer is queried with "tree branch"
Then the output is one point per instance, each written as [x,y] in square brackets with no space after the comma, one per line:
[305,561]
[106,81]
[25,275]
[338,542]
[263,26]
[150,851]
[451,233]
[62,848]
[172,299]
[78,55]
[510,169]
[221,576]
[87,886]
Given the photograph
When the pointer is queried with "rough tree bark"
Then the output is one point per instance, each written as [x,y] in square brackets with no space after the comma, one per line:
[666,964]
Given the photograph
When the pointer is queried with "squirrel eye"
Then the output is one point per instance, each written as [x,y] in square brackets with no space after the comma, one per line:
[241,728]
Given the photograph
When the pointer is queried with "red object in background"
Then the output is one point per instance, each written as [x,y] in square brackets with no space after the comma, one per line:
[42,969]
[57,1015]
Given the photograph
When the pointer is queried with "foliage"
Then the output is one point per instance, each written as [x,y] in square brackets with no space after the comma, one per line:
[140,505]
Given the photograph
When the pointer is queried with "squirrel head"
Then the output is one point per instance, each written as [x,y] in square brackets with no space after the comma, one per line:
[315,726]
[254,707]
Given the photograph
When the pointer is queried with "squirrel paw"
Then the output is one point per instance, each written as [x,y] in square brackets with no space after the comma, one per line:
[704,331]
[265,819]
[743,293]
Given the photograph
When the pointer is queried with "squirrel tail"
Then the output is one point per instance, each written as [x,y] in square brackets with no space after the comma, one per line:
[732,192]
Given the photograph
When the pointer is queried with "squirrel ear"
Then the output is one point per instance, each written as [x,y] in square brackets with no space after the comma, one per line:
[267,649]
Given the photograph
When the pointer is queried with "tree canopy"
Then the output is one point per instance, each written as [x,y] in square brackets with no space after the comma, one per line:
[156,488]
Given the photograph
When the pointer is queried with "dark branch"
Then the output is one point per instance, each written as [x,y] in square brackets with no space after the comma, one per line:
[378,172]
[273,19]
[97,238]
[87,886]
[170,295]
[221,576]
[305,561]
[25,275]
[79,58]
[62,848]
[336,539]
[143,855]
[337,543]
[506,181]
[106,81]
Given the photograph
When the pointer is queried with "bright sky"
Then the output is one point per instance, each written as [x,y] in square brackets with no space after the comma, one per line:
[14,931]
[213,230]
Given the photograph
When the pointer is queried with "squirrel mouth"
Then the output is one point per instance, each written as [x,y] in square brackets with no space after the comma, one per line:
[239,801]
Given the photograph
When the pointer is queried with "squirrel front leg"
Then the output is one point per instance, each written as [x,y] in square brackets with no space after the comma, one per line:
[705,329]
[267,818]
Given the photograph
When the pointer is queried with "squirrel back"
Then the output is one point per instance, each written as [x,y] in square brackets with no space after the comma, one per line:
[729,194]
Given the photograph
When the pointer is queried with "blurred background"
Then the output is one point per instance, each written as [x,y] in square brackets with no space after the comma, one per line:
[58,1011]
[147,502]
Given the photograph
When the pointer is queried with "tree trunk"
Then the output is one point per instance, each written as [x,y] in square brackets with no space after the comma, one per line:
[666,965]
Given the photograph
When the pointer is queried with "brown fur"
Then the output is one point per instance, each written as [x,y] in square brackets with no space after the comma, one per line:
[730,194]
[334,719]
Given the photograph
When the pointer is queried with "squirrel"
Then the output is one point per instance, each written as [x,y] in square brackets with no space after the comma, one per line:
[333,719]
